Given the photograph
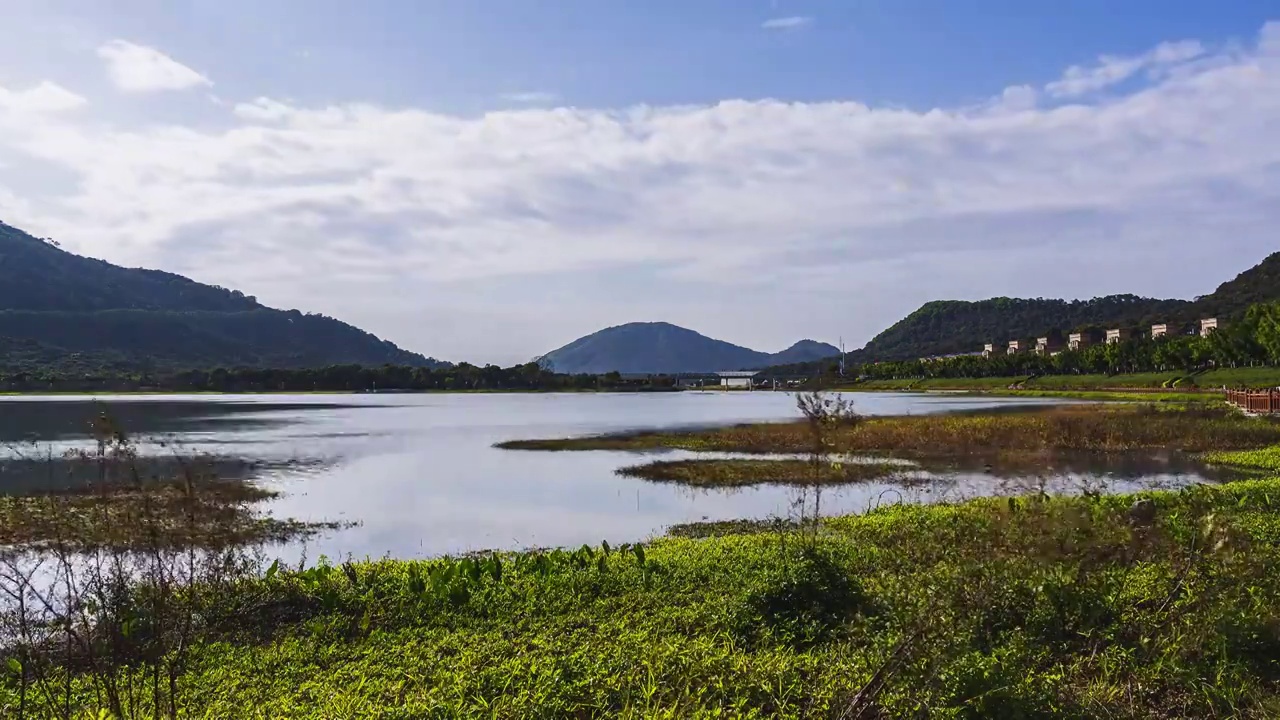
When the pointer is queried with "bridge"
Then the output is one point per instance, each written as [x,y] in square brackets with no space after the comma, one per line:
[1256,402]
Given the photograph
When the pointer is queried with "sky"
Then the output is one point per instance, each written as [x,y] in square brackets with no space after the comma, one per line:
[486,180]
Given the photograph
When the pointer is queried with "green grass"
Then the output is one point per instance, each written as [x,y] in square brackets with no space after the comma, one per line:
[1130,396]
[738,473]
[1157,380]
[998,608]
[1253,377]
[1078,428]
[989,383]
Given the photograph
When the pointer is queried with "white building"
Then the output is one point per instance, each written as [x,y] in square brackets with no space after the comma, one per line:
[1207,326]
[737,379]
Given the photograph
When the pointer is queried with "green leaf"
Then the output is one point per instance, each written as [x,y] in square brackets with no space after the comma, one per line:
[15,666]
[271,571]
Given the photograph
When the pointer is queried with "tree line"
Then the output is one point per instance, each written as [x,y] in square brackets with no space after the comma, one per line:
[333,378]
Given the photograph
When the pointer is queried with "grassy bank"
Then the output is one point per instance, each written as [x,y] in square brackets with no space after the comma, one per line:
[1096,429]
[990,609]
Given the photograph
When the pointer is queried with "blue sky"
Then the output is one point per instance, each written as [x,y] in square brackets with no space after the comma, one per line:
[488,179]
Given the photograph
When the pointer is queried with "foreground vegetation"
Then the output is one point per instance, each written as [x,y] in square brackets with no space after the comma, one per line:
[1085,428]
[1164,606]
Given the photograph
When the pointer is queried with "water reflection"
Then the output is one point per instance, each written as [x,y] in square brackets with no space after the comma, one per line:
[420,475]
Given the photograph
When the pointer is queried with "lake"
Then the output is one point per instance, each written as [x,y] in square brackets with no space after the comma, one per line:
[420,476]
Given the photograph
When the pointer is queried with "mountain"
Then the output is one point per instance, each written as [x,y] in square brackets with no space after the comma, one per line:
[72,312]
[950,326]
[665,348]
[943,327]
[1260,283]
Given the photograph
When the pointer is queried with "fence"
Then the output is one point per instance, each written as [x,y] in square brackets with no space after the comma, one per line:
[1255,401]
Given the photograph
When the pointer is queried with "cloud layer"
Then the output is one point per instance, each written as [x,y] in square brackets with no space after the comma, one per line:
[761,221]
[142,69]
[786,23]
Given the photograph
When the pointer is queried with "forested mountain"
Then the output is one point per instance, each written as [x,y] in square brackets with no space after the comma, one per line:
[951,326]
[1258,284]
[945,327]
[62,310]
[665,348]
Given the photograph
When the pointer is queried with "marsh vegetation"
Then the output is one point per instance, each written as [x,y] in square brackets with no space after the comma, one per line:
[1106,429]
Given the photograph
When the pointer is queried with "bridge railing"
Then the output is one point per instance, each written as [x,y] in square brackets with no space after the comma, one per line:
[1255,401]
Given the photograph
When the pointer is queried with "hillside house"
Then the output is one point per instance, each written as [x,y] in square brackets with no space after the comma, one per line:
[1207,326]
[1079,340]
[1159,330]
[988,350]
[1048,345]
[1015,347]
[1116,335]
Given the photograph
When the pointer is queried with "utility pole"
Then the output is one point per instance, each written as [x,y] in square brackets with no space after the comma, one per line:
[842,356]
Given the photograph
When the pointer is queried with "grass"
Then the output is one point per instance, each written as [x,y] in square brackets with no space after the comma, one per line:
[738,473]
[1130,396]
[985,383]
[1253,377]
[1155,380]
[1034,607]
[1095,429]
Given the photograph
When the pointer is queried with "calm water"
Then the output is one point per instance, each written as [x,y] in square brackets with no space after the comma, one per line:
[420,476]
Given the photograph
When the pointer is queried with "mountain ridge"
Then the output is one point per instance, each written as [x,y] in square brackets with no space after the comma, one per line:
[59,309]
[665,348]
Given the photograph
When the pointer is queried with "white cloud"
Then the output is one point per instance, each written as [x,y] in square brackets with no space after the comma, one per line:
[1111,70]
[46,97]
[786,23]
[138,68]
[263,109]
[532,97]
[832,214]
